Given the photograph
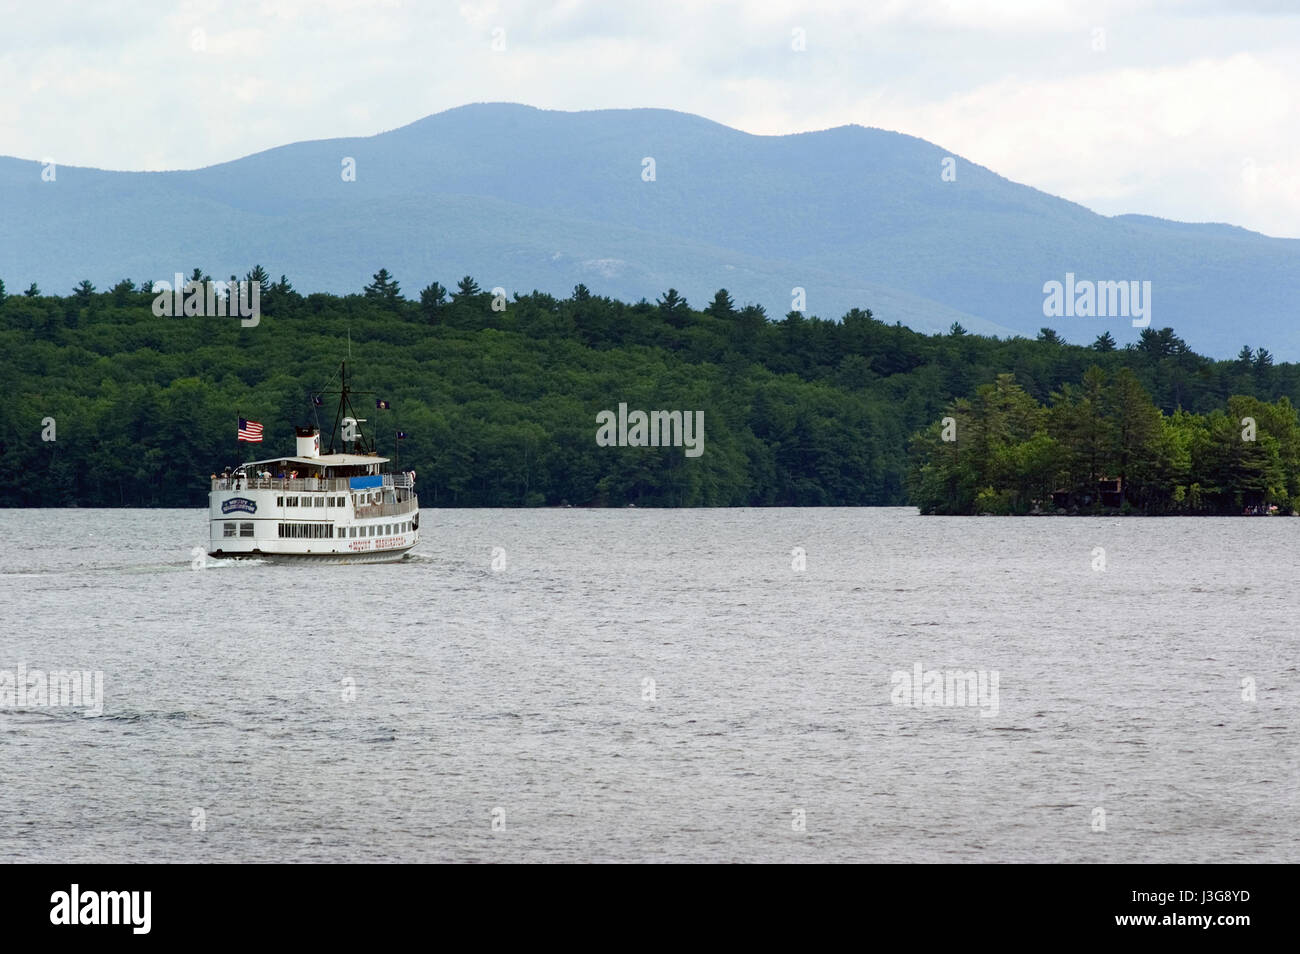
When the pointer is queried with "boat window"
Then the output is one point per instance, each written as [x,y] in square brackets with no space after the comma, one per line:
[279,501]
[228,530]
[245,529]
[291,501]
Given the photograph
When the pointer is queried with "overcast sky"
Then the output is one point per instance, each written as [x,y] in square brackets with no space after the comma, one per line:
[1186,109]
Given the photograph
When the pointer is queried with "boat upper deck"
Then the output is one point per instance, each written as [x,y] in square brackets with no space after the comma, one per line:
[309,484]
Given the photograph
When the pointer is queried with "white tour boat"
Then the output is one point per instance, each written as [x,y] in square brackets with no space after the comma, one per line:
[312,507]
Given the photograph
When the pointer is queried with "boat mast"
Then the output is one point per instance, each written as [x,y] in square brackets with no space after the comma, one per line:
[362,444]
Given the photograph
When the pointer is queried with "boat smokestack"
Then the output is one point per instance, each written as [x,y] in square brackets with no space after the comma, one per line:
[308,441]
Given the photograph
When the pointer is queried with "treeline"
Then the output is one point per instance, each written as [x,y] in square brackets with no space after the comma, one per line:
[499,395]
[1103,445]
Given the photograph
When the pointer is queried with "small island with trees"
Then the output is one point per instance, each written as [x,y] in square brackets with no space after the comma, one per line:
[1102,446]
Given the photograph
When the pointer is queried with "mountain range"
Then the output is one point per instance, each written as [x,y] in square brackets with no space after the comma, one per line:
[528,199]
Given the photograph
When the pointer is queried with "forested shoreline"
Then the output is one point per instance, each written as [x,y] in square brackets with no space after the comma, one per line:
[1102,446]
[499,398]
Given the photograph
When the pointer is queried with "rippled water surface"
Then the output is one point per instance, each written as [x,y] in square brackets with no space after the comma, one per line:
[642,685]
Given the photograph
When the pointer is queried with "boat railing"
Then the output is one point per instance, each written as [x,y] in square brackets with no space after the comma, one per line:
[385,509]
[290,484]
[306,484]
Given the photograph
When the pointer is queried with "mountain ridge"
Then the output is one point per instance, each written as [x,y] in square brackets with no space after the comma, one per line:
[857,216]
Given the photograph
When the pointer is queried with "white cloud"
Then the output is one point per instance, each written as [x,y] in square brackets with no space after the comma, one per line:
[1160,121]
[1168,141]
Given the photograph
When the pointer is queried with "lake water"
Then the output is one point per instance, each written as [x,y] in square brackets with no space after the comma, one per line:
[443,710]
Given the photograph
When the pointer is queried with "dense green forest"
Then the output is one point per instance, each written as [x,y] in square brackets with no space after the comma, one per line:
[1103,445]
[500,403]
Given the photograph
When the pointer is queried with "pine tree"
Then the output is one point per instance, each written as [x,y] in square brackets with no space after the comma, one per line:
[466,288]
[384,288]
[122,292]
[722,305]
[432,297]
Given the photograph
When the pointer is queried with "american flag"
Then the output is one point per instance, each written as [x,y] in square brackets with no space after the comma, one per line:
[250,431]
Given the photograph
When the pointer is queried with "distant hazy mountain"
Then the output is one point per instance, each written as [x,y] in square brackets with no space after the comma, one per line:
[526,198]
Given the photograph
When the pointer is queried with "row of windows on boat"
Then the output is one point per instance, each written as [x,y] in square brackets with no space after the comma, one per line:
[321,530]
[326,501]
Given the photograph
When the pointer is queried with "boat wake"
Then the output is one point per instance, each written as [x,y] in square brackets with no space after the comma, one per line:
[216,563]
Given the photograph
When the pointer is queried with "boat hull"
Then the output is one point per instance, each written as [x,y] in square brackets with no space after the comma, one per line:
[318,559]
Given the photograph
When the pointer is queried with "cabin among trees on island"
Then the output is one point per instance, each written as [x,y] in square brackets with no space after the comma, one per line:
[1110,493]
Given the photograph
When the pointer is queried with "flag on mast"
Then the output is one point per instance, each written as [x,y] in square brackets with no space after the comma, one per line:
[250,431]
